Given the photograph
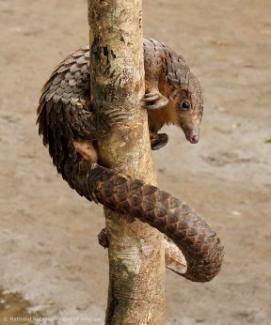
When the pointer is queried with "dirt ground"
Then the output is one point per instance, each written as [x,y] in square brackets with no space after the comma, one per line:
[48,246]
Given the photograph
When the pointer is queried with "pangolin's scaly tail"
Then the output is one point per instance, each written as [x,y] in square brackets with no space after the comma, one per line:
[197,241]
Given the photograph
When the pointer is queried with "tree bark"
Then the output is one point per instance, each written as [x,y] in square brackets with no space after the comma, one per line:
[136,251]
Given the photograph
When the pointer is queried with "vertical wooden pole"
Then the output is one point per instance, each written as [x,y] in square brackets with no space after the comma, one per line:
[136,253]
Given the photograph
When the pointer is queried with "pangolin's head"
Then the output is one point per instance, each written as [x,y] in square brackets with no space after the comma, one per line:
[187,101]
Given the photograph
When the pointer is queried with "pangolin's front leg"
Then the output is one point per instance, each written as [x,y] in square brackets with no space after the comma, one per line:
[154,61]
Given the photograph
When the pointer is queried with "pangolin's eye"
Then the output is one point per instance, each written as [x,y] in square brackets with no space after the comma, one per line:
[185,105]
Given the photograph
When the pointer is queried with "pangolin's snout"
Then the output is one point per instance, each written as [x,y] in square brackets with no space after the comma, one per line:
[192,136]
[194,139]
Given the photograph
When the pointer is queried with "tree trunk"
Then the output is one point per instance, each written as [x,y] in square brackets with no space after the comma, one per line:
[136,251]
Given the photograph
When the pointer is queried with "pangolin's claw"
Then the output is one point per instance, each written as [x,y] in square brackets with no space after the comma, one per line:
[150,97]
[155,100]
[158,140]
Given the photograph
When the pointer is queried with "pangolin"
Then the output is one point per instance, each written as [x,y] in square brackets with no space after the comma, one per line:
[67,124]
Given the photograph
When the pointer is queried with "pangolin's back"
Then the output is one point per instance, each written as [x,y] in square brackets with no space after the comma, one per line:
[69,83]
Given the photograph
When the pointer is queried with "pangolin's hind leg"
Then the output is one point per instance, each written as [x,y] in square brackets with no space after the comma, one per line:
[86,149]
